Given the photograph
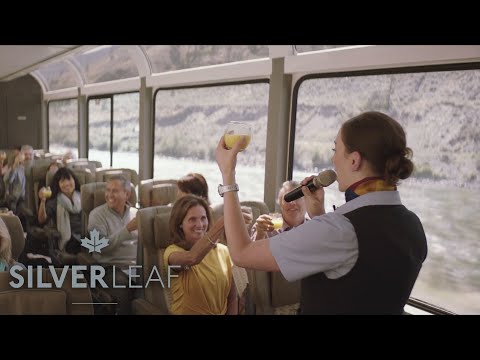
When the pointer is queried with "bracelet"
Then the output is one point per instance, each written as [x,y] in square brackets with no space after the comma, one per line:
[214,244]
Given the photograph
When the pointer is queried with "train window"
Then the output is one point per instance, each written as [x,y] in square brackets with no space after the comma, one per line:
[189,123]
[63,126]
[440,112]
[106,63]
[57,76]
[307,48]
[99,130]
[113,131]
[176,57]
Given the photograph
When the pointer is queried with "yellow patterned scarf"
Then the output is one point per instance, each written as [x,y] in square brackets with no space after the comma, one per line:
[367,185]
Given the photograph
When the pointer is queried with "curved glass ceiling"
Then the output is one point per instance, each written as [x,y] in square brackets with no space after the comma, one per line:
[117,62]
[176,57]
[107,63]
[58,76]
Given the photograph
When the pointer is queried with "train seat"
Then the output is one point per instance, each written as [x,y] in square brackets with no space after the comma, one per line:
[157,192]
[154,235]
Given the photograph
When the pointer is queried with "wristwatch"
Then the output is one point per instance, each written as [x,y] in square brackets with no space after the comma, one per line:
[222,189]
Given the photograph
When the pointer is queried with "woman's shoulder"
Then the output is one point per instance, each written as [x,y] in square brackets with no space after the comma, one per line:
[174,247]
[223,249]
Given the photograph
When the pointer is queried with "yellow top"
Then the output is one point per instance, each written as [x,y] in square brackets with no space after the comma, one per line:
[202,289]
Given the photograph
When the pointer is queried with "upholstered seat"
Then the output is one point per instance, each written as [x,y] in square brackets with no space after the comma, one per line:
[153,234]
[43,301]
[84,164]
[258,291]
[157,192]
[131,175]
[270,292]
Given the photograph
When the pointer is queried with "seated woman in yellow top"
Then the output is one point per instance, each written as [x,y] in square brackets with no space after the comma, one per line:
[205,283]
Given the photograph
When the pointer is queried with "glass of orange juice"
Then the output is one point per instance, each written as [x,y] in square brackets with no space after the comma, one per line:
[47,192]
[235,131]
[277,220]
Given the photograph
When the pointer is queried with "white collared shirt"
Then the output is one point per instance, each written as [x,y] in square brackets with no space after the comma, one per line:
[327,243]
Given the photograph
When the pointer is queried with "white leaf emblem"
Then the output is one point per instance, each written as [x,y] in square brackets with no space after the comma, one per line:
[94,244]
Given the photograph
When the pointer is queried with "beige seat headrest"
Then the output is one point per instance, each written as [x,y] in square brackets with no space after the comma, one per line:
[102,175]
[153,227]
[161,231]
[163,194]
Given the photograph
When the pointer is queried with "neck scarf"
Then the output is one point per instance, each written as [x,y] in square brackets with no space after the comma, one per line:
[367,185]
[65,207]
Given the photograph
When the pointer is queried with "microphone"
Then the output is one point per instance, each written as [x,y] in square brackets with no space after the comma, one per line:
[324,179]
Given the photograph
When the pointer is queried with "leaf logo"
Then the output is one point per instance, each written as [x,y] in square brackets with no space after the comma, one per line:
[95,244]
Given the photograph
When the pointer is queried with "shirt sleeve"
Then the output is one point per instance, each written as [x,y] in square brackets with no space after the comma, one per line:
[97,220]
[169,250]
[327,243]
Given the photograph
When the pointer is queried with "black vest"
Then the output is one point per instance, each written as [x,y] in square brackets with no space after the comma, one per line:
[391,249]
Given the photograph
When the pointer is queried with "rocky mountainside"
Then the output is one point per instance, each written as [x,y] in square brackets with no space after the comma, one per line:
[439,110]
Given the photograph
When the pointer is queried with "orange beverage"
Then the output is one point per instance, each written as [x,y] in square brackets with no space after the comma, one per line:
[47,192]
[231,139]
[277,220]
[235,131]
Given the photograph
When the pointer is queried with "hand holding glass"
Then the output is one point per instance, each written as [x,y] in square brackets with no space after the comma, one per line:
[47,192]
[235,131]
[3,155]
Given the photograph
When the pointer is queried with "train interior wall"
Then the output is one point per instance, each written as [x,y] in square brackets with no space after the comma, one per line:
[20,112]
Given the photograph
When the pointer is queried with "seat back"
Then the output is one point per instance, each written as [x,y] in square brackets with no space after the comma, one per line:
[157,192]
[93,195]
[38,154]
[43,301]
[93,165]
[102,175]
[154,235]
[285,295]
[15,229]
[259,281]
[270,291]
[53,157]
[84,176]
[35,178]
[258,208]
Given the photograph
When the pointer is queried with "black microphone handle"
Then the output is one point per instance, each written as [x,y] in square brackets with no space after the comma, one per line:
[297,193]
